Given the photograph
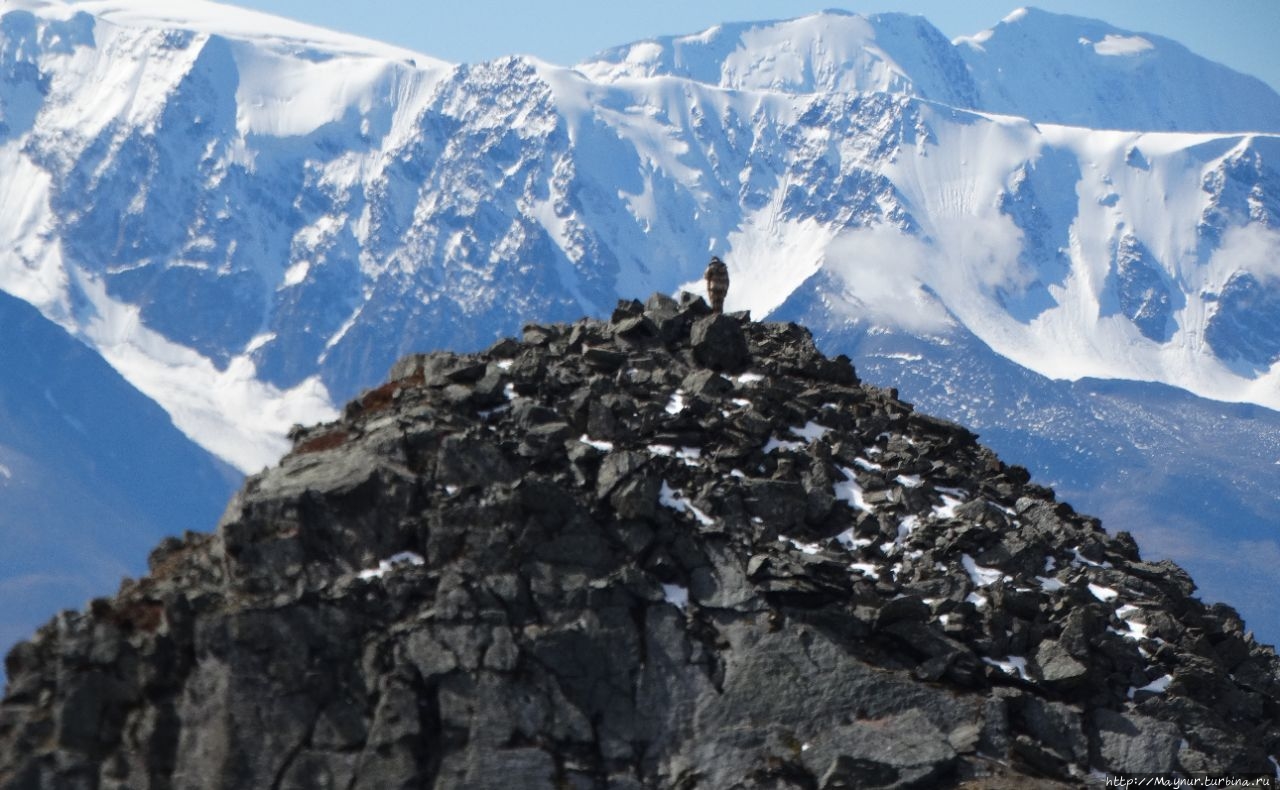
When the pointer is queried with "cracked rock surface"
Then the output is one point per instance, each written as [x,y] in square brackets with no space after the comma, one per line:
[670,550]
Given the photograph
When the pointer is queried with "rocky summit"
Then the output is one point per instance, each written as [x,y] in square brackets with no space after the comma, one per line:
[675,549]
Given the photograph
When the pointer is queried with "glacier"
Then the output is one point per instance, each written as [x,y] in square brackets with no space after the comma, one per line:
[251,219]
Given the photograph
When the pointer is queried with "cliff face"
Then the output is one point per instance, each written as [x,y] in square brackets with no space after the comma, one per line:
[674,550]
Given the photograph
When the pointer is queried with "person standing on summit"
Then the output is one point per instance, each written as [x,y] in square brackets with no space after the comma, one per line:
[717,283]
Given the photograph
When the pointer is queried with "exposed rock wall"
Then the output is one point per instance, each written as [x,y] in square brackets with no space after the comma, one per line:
[671,550]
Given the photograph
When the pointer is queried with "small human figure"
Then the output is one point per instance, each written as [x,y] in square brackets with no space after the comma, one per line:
[717,283]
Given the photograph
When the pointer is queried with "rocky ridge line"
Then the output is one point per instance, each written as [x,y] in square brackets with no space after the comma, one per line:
[672,550]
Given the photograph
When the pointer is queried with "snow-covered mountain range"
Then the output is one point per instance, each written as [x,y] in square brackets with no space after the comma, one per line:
[1059,232]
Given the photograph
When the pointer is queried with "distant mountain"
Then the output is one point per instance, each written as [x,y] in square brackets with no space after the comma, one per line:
[1083,72]
[830,52]
[1044,67]
[252,219]
[92,474]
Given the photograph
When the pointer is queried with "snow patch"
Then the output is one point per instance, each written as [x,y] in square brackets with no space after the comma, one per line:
[806,548]
[689,455]
[1113,45]
[1157,686]
[676,404]
[1104,594]
[866,569]
[1137,631]
[810,431]
[1013,665]
[907,526]
[259,341]
[980,575]
[296,274]
[1049,584]
[676,595]
[400,560]
[850,541]
[1079,559]
[849,491]
[669,497]
[599,444]
[948,507]
[782,444]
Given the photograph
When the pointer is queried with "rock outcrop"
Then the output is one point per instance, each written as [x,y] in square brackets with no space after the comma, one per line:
[676,549]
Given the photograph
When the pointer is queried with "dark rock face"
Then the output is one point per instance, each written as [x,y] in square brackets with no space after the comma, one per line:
[1141,290]
[1246,325]
[664,551]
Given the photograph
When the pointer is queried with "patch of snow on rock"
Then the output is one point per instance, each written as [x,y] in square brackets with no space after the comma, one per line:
[866,569]
[669,497]
[1013,665]
[981,576]
[676,595]
[401,559]
[849,491]
[1157,686]
[810,431]
[807,548]
[1114,45]
[1104,594]
[852,543]
[782,444]
[599,444]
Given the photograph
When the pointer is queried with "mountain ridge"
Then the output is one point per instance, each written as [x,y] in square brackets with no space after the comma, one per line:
[227,20]
[671,549]
[1000,70]
[308,276]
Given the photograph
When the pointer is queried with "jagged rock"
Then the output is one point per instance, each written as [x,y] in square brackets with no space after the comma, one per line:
[895,752]
[675,549]
[1057,667]
[718,343]
[1136,744]
[1057,727]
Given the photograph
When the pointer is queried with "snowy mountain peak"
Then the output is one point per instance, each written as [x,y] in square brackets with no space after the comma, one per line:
[830,51]
[1046,67]
[219,19]
[1059,68]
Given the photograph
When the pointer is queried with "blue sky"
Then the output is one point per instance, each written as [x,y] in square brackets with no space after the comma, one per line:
[1240,33]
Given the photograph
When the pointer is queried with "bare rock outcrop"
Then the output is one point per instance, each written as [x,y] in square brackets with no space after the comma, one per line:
[675,549]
